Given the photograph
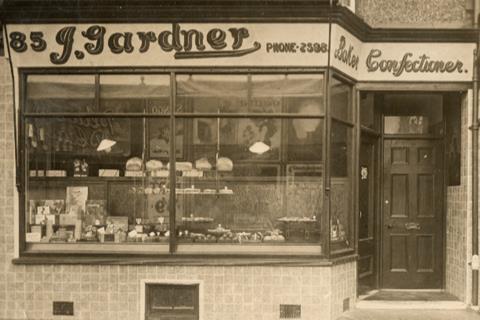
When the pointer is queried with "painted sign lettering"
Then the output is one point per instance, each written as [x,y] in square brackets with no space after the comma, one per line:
[346,55]
[186,44]
[408,64]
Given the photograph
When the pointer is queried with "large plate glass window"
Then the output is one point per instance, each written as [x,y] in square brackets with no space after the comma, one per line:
[248,163]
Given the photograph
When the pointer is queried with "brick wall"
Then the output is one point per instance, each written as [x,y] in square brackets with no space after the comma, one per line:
[416,14]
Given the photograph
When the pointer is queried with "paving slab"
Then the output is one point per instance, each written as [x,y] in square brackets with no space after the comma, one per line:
[406,314]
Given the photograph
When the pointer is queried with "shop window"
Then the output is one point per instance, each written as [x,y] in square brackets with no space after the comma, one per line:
[248,163]
[341,161]
[171,301]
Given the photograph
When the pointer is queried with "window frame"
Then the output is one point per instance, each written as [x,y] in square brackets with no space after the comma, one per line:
[172,116]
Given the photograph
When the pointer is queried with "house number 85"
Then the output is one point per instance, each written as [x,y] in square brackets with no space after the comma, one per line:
[18,41]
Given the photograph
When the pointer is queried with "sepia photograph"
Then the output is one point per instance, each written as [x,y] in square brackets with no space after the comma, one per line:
[239,159]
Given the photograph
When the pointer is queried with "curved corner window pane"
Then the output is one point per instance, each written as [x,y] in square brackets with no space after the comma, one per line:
[341,100]
[60,93]
[135,93]
[341,223]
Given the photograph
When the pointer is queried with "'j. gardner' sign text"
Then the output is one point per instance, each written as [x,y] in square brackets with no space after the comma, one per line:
[186,44]
[409,64]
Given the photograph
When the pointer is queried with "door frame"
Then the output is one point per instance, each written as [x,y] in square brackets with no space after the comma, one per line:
[375,138]
[389,87]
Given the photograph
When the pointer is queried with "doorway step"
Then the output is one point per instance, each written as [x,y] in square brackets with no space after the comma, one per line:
[409,299]
[402,314]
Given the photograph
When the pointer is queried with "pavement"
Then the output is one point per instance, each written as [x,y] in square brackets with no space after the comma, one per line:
[409,314]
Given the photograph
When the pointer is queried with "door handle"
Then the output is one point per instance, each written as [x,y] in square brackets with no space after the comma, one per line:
[389,226]
[412,226]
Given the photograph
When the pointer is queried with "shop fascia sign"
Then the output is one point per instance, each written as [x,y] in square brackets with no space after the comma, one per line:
[229,44]
[169,44]
[401,61]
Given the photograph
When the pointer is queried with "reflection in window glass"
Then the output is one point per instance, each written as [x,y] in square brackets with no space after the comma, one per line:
[250,94]
[60,93]
[212,93]
[135,93]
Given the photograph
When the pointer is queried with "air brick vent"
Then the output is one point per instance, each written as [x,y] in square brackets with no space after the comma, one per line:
[290,311]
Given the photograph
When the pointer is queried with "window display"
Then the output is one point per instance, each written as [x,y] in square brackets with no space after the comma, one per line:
[248,161]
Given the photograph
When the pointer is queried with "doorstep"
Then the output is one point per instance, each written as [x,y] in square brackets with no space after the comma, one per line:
[411,314]
[409,299]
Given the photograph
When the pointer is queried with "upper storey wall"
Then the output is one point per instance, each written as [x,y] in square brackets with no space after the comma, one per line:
[415,13]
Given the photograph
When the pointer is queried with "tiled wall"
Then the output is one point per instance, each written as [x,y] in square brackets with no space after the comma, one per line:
[413,13]
[458,217]
[344,286]
[113,292]
[6,187]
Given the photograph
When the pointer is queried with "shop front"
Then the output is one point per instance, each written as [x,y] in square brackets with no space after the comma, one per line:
[211,169]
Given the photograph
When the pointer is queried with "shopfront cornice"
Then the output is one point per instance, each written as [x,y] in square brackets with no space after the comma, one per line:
[288,11]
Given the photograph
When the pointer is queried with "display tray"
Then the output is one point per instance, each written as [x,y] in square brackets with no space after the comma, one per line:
[184,240]
[205,240]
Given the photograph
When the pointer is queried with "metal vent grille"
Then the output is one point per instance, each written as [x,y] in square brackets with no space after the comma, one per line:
[290,311]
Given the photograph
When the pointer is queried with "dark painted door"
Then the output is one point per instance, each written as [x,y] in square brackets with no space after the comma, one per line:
[366,220]
[412,253]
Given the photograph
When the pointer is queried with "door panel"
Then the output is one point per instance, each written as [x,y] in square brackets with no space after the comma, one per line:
[412,229]
[366,266]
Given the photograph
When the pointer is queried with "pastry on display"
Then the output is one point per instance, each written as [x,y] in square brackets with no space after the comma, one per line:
[153,165]
[134,164]
[225,190]
[194,173]
[203,164]
[297,219]
[160,173]
[197,219]
[273,236]
[228,237]
[182,166]
[224,164]
[219,230]
[192,190]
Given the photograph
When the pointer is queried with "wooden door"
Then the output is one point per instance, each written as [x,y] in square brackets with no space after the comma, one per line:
[366,266]
[412,228]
